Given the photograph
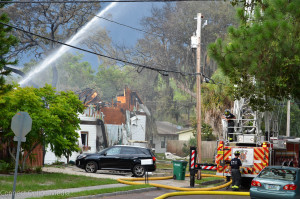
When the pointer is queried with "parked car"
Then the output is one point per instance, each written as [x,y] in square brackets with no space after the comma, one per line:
[276,182]
[119,158]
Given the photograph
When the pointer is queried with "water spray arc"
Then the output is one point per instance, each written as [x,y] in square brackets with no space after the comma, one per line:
[78,37]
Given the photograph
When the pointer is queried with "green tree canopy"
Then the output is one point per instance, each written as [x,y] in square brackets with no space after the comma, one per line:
[54,119]
[7,41]
[262,56]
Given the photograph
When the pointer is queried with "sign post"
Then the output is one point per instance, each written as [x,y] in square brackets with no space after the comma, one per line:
[145,163]
[21,125]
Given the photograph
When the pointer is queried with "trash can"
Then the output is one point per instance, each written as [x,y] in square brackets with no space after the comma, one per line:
[179,167]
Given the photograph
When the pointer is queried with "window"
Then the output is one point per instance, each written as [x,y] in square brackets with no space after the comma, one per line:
[84,138]
[143,151]
[114,151]
[163,143]
[279,174]
[128,150]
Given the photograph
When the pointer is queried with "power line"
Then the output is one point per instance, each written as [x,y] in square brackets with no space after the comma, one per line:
[128,26]
[162,71]
[106,1]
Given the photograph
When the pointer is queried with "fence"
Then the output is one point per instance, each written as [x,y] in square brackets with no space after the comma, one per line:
[208,148]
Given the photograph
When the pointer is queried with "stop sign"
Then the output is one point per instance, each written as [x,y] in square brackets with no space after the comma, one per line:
[21,124]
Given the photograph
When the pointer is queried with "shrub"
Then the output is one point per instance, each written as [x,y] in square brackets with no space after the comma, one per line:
[38,169]
[6,167]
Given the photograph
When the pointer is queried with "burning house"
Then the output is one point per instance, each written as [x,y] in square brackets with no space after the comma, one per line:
[103,124]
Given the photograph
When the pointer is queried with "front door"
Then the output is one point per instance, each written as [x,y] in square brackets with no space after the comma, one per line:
[111,158]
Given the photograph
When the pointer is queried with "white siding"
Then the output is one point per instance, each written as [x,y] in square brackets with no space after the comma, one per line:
[114,134]
[50,158]
[185,136]
[138,128]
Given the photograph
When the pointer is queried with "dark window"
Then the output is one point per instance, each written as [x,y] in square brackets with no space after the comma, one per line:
[163,143]
[128,150]
[143,151]
[114,151]
[84,139]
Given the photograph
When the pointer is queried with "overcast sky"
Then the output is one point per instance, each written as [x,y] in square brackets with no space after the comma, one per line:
[125,13]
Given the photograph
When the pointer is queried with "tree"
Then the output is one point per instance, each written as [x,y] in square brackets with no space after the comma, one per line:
[54,119]
[186,147]
[262,56]
[216,97]
[55,21]
[280,112]
[7,42]
[74,73]
[168,47]
[111,81]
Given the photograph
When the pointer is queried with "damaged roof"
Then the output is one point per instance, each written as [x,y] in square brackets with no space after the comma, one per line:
[88,96]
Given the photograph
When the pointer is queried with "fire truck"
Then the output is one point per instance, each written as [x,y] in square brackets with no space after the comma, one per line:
[258,149]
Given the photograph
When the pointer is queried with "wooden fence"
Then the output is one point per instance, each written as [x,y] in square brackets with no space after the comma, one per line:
[208,148]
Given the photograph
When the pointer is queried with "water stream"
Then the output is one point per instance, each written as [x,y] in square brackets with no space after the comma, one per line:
[78,37]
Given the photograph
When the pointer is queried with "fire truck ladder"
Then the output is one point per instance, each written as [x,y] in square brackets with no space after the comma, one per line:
[246,125]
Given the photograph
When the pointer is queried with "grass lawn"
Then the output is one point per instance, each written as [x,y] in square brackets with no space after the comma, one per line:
[48,181]
[206,179]
[94,192]
[164,165]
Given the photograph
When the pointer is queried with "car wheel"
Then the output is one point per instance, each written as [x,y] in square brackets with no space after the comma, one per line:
[138,170]
[91,167]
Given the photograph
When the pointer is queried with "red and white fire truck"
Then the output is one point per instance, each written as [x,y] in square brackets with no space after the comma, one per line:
[258,149]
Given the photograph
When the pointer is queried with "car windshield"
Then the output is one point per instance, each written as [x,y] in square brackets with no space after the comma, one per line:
[279,174]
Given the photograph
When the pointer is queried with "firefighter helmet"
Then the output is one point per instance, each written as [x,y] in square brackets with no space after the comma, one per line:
[237,153]
[227,112]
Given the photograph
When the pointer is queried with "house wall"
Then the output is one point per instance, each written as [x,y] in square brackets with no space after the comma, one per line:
[185,136]
[159,138]
[138,128]
[114,134]
[91,129]
[113,115]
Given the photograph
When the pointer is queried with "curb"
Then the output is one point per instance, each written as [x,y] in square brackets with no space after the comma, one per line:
[117,193]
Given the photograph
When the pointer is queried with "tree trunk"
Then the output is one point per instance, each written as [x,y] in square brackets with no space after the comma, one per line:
[27,155]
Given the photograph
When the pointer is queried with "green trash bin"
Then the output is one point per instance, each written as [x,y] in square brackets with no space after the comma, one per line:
[179,167]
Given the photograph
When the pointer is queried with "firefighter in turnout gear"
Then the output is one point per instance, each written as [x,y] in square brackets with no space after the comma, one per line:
[235,164]
[228,116]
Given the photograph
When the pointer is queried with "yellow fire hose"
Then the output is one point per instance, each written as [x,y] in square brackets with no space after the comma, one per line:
[186,191]
[203,193]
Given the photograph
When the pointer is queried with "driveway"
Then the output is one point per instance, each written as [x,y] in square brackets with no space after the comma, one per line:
[73,170]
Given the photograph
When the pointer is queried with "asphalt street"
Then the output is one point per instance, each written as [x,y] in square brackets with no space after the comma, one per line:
[154,194]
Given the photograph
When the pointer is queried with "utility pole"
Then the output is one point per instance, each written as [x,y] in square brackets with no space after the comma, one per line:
[288,117]
[198,79]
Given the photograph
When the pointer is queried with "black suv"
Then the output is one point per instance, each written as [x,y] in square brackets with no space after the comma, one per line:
[119,158]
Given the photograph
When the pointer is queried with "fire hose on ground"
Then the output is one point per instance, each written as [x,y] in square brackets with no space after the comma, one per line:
[185,191]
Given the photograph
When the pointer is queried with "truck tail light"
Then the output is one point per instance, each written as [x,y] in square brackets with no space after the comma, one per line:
[291,187]
[255,183]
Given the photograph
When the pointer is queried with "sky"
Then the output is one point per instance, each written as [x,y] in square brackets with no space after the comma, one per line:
[129,14]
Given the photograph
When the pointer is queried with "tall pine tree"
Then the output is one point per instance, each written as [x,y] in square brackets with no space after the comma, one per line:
[262,56]
[7,41]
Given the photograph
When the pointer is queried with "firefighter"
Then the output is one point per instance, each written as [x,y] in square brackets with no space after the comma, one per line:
[235,164]
[228,116]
